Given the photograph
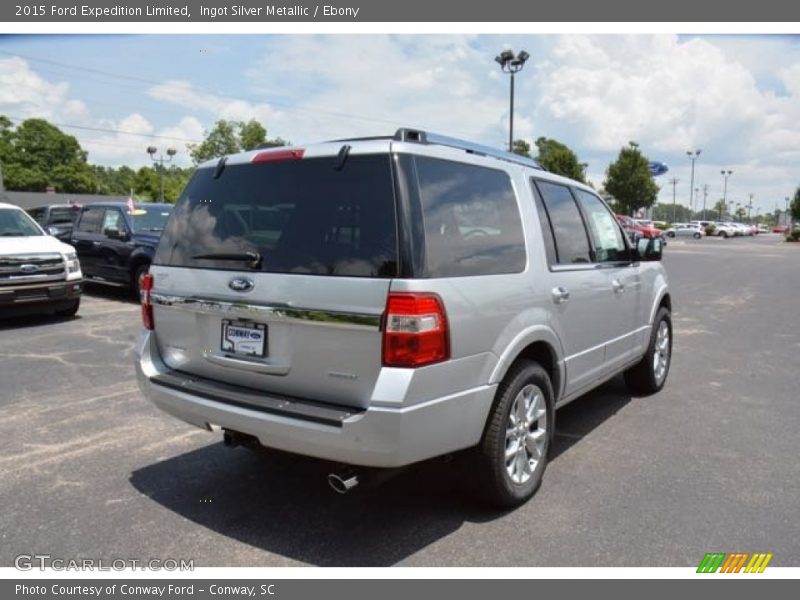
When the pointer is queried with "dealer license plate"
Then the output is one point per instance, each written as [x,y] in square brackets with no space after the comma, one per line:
[244,338]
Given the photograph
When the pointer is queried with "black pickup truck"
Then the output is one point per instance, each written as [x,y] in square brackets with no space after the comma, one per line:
[115,244]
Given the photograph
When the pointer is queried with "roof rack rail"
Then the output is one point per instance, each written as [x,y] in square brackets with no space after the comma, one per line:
[405,134]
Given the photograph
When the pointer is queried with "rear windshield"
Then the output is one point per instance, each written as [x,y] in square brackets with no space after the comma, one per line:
[312,216]
[66,214]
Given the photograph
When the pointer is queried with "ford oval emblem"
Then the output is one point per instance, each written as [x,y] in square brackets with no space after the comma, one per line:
[28,268]
[241,284]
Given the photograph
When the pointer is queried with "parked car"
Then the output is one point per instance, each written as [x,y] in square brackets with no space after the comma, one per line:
[763,229]
[38,273]
[780,229]
[685,230]
[379,302]
[56,219]
[742,228]
[725,229]
[116,245]
[637,226]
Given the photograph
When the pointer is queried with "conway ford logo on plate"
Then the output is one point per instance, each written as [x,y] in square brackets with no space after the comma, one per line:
[241,284]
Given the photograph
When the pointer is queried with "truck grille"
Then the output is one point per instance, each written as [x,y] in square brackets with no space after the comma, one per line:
[31,268]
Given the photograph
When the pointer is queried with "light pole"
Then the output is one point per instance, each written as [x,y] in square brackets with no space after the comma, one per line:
[749,205]
[151,150]
[674,181]
[696,194]
[730,210]
[511,63]
[693,155]
[705,197]
[725,175]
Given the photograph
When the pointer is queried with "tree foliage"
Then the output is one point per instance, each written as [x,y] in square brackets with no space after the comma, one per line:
[230,137]
[36,155]
[628,179]
[522,148]
[794,207]
[560,159]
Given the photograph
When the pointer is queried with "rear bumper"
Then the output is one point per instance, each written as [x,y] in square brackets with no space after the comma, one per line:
[379,436]
[39,297]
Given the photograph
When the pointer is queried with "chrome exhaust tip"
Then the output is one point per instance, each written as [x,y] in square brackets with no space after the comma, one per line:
[341,483]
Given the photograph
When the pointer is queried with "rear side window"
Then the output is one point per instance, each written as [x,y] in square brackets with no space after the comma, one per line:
[91,220]
[63,215]
[310,216]
[471,220]
[569,232]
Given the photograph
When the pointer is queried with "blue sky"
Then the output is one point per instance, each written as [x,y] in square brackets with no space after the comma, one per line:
[735,97]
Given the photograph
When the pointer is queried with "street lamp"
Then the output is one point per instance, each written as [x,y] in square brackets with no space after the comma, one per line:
[674,181]
[511,63]
[693,157]
[725,175]
[152,150]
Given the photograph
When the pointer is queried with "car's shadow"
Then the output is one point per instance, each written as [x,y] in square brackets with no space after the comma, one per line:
[282,504]
[109,292]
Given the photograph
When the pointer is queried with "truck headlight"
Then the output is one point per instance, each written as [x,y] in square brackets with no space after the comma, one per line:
[73,265]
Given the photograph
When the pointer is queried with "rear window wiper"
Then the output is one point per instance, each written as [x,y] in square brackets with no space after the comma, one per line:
[254,258]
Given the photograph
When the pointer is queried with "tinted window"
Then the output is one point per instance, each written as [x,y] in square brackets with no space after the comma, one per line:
[311,216]
[37,214]
[91,220]
[472,222]
[547,229]
[609,245]
[572,245]
[63,215]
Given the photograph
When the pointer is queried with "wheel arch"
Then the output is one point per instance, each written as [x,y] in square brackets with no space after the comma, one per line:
[540,345]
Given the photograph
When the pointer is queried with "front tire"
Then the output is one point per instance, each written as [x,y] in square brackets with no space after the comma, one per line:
[512,455]
[697,236]
[649,375]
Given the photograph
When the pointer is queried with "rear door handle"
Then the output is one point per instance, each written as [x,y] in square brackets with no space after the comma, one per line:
[618,286]
[560,295]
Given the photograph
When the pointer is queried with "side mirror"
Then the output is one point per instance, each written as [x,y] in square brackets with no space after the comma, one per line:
[648,249]
[52,231]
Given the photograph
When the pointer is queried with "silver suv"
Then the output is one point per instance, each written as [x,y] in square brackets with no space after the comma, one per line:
[378,302]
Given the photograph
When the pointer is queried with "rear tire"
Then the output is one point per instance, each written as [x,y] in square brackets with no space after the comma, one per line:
[512,455]
[71,311]
[697,236]
[650,374]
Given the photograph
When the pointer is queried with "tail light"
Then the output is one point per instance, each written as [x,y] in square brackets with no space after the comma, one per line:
[147,306]
[415,330]
[278,155]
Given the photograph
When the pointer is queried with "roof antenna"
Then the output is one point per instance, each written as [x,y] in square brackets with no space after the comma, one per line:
[220,167]
[341,158]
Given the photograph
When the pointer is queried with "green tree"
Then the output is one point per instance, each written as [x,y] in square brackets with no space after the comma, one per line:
[628,179]
[522,148]
[664,211]
[37,154]
[230,137]
[740,214]
[560,159]
[720,207]
[794,207]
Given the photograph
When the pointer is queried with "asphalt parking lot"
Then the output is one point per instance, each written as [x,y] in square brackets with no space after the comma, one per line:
[91,469]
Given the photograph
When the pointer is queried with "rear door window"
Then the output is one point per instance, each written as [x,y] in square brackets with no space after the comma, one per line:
[312,216]
[471,220]
[568,230]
